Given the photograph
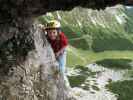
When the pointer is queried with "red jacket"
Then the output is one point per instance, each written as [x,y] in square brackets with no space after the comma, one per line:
[57,45]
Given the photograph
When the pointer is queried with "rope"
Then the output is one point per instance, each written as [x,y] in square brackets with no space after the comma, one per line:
[83,37]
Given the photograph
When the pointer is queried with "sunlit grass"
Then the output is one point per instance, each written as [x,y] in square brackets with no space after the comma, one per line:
[84,57]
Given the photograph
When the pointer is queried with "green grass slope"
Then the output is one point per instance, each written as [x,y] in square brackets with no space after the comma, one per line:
[96,35]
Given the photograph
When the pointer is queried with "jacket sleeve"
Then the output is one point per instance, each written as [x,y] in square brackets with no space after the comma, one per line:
[64,41]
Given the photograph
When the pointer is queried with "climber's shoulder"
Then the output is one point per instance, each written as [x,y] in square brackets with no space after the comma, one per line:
[63,38]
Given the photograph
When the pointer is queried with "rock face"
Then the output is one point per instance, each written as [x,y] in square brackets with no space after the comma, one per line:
[28,69]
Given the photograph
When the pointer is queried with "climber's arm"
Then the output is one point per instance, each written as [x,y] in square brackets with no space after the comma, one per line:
[60,52]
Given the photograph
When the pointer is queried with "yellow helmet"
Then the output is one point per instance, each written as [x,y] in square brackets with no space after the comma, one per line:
[53,24]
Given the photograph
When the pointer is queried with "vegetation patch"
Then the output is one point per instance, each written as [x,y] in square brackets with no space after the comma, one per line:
[116,63]
[123,89]
[82,74]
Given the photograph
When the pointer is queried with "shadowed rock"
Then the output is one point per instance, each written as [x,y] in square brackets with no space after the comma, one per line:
[11,9]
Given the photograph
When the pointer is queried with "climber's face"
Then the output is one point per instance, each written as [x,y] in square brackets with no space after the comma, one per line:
[52,34]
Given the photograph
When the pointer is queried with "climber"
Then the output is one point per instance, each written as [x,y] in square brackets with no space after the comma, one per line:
[58,42]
